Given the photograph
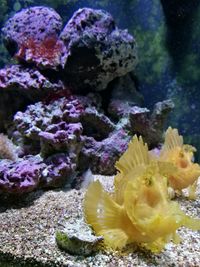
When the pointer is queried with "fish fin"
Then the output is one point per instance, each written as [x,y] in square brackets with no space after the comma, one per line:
[172,140]
[101,212]
[166,168]
[156,246]
[192,191]
[136,154]
[191,223]
[114,238]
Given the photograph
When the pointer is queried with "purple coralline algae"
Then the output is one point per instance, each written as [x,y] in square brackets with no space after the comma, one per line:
[33,29]
[71,103]
[20,86]
[59,170]
[17,177]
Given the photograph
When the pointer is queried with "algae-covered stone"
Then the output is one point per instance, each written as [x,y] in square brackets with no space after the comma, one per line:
[77,238]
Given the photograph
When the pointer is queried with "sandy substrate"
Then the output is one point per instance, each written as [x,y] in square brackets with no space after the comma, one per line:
[27,235]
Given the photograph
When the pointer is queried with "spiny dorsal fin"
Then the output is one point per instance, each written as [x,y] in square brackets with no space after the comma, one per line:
[135,155]
[172,139]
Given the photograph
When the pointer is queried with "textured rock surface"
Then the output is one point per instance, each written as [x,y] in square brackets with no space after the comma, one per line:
[69,134]
[28,81]
[32,172]
[21,176]
[30,27]
[59,171]
[76,237]
[96,49]
[73,125]
[20,86]
[150,126]
[102,155]
[38,117]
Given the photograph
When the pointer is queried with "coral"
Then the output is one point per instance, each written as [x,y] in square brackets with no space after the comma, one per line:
[7,148]
[38,117]
[33,172]
[75,124]
[49,102]
[139,210]
[29,81]
[62,137]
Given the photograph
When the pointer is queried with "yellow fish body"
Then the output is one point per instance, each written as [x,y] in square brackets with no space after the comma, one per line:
[139,210]
[181,156]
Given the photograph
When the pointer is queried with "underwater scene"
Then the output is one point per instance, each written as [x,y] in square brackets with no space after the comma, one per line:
[99,133]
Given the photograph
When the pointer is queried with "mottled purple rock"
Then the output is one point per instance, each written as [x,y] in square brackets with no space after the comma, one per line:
[101,156]
[26,81]
[25,32]
[96,124]
[96,50]
[19,87]
[20,177]
[64,137]
[30,173]
[39,116]
[59,171]
[150,126]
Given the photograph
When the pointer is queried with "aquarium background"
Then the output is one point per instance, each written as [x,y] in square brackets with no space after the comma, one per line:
[168,39]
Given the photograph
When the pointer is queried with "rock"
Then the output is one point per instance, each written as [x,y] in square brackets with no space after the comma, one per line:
[96,124]
[124,90]
[32,35]
[59,171]
[27,81]
[38,117]
[19,177]
[20,86]
[102,155]
[150,126]
[62,137]
[96,50]
[77,238]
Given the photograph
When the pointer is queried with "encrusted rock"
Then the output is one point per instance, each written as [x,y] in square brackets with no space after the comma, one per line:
[102,155]
[150,126]
[58,172]
[62,137]
[18,177]
[39,116]
[96,124]
[32,35]
[96,50]
[27,81]
[76,237]
[20,86]
[124,89]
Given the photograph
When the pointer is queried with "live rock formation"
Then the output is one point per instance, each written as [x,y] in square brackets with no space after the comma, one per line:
[71,103]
